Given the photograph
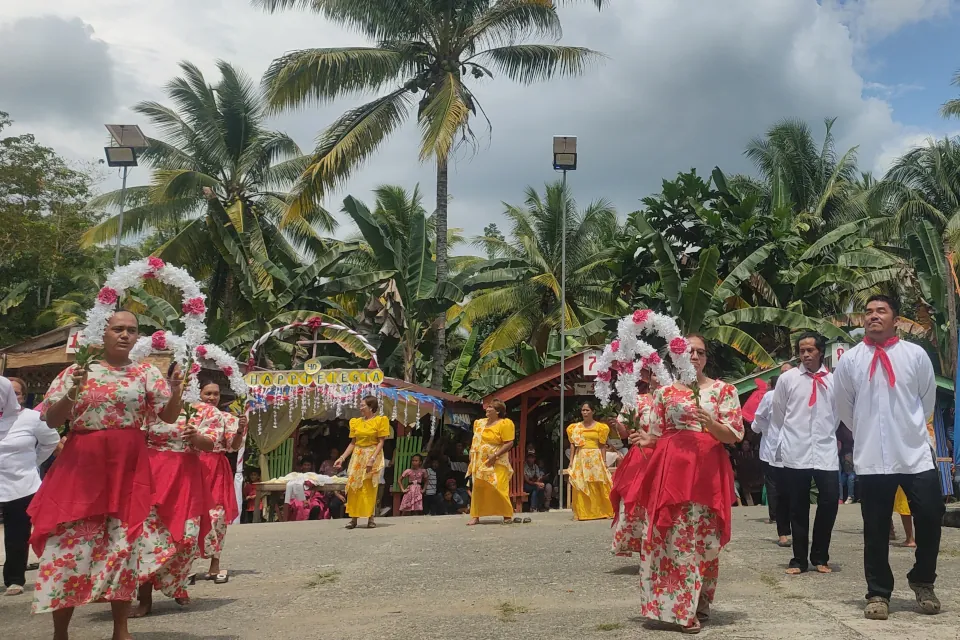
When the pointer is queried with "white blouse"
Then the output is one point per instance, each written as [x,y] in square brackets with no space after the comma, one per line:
[808,435]
[889,424]
[22,449]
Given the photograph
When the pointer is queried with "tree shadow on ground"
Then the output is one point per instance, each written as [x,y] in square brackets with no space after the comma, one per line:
[628,570]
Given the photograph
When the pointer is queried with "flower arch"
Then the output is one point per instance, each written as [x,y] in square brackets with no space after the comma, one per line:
[619,366]
[313,324]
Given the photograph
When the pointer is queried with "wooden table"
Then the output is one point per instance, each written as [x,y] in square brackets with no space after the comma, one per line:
[272,490]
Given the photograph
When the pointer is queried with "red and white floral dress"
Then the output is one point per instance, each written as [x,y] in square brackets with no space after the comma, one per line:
[219,479]
[680,508]
[180,517]
[628,473]
[89,512]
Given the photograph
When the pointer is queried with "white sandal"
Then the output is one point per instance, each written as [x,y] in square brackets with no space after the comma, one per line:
[14,590]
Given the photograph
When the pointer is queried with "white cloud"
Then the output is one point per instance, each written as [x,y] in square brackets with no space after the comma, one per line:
[688,84]
[911,138]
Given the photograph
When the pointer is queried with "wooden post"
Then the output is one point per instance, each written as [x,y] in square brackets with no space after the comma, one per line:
[523,424]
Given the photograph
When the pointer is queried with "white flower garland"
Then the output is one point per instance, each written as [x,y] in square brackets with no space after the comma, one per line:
[627,355]
[226,363]
[122,278]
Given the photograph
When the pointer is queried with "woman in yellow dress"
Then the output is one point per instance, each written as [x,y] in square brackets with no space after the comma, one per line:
[589,477]
[490,466]
[367,435]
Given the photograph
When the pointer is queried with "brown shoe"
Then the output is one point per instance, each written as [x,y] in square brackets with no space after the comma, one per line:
[878,608]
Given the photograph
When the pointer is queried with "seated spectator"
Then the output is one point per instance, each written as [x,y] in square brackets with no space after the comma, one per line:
[326,467]
[460,496]
[306,465]
[313,507]
[535,485]
[447,505]
[336,502]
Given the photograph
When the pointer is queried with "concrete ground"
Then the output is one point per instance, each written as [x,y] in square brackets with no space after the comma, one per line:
[425,578]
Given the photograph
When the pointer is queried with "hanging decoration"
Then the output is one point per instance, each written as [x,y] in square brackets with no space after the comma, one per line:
[619,366]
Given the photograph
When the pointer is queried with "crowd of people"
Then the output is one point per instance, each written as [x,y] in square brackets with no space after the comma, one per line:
[142,488]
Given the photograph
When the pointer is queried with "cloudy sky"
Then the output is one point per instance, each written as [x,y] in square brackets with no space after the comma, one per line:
[687,84]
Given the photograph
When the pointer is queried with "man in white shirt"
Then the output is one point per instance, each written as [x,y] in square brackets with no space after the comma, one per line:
[25,442]
[778,501]
[885,392]
[803,404]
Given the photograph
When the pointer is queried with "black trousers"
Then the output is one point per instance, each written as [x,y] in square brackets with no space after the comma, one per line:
[778,500]
[16,540]
[828,497]
[877,493]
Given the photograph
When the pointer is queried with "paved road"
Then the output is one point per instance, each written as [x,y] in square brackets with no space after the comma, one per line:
[433,578]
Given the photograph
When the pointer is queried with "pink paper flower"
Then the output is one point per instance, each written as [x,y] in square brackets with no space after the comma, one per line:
[641,315]
[615,346]
[315,323]
[626,367]
[159,341]
[155,263]
[227,371]
[107,295]
[653,359]
[202,351]
[603,376]
[679,346]
[195,369]
[194,306]
[372,364]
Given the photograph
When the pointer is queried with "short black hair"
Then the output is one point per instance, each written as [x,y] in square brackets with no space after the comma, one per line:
[893,302]
[818,339]
[773,382]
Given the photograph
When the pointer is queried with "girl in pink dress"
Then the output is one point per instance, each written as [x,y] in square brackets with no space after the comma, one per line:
[413,491]
[180,517]
[90,509]
[227,435]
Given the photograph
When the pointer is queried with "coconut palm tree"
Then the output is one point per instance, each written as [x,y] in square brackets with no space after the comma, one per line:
[795,172]
[217,198]
[951,108]
[922,190]
[427,52]
[530,306]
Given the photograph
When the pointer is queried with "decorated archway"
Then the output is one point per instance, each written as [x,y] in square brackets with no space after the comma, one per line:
[278,401]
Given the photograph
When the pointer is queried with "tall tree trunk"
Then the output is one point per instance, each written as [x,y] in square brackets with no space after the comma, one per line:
[950,287]
[440,346]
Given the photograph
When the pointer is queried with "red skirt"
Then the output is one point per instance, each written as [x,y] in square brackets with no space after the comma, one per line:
[628,473]
[686,466]
[179,491]
[218,475]
[98,473]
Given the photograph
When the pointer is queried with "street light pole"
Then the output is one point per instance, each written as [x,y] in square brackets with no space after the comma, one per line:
[564,159]
[123,200]
[563,323]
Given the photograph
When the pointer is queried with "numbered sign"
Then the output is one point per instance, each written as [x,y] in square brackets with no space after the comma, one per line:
[837,349]
[590,363]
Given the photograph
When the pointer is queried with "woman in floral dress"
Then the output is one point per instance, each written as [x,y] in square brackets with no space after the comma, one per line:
[489,466]
[180,518]
[90,509]
[629,470]
[227,433]
[680,508]
[367,435]
[589,476]
[413,491]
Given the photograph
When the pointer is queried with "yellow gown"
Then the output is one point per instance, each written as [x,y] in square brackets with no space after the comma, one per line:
[900,504]
[589,475]
[491,485]
[361,485]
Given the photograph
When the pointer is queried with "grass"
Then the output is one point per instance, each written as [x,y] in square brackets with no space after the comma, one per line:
[324,577]
[609,626]
[508,610]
